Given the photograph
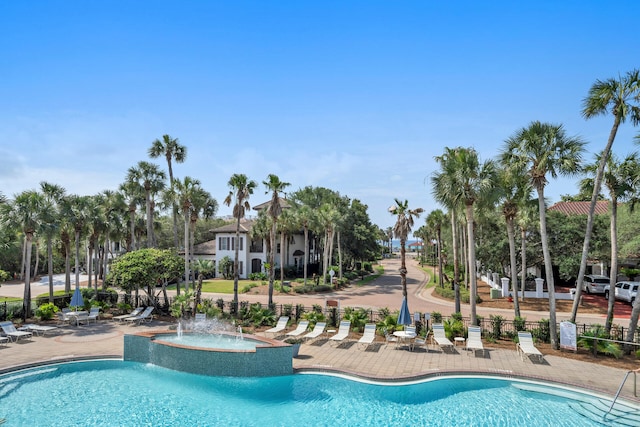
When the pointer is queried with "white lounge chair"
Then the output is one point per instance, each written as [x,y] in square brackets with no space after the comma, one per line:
[300,329]
[439,338]
[38,329]
[145,316]
[280,326]
[10,331]
[318,330]
[474,340]
[526,346]
[136,312]
[369,335]
[4,340]
[94,313]
[343,331]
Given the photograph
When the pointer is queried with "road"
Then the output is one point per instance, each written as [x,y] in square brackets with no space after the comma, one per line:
[386,291]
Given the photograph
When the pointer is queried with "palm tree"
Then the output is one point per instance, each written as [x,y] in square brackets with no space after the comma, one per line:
[304,215]
[275,186]
[464,181]
[151,178]
[326,218]
[621,97]
[435,222]
[619,178]
[172,150]
[514,187]
[204,206]
[50,225]
[23,213]
[401,229]
[241,189]
[78,217]
[544,149]
[133,194]
[185,193]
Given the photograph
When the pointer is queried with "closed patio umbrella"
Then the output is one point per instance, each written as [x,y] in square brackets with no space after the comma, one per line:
[76,299]
[404,318]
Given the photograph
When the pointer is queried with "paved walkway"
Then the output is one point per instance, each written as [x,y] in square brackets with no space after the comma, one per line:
[378,361]
[105,339]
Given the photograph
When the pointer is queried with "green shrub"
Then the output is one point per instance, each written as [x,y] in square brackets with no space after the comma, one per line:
[453,328]
[46,311]
[258,276]
[542,332]
[519,323]
[496,326]
[358,317]
[314,317]
[601,346]
[436,317]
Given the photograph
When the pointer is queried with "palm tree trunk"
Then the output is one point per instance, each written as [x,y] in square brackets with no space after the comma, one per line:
[440,266]
[523,258]
[77,258]
[50,266]
[236,272]
[590,217]
[614,262]
[456,265]
[24,257]
[472,265]
[149,220]
[282,260]
[548,266]
[514,268]
[272,260]
[306,253]
[186,252]
[26,301]
[35,268]
[339,257]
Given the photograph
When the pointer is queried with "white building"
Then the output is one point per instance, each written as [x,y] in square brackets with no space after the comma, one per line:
[252,253]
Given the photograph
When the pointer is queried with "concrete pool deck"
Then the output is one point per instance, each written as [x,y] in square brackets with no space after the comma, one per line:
[377,361]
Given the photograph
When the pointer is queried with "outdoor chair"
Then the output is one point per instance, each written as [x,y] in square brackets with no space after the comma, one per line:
[280,326]
[318,330]
[526,347]
[369,335]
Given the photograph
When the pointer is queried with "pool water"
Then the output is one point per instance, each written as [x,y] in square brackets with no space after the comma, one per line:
[225,342]
[117,393]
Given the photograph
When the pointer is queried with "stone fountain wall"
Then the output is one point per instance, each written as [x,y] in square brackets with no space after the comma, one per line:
[271,359]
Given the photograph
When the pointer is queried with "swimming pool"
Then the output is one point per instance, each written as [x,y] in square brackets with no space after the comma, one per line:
[114,392]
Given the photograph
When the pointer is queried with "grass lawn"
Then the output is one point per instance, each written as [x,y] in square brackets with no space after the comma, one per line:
[221,286]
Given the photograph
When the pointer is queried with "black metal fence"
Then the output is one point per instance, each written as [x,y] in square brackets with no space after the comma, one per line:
[496,327]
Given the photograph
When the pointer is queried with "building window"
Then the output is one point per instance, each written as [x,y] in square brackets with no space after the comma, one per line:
[278,248]
[224,244]
[240,271]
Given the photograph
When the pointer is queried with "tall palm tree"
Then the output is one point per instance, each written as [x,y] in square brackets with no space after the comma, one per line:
[172,150]
[151,178]
[133,194]
[435,222]
[544,149]
[115,212]
[514,187]
[241,189]
[620,179]
[465,181]
[620,97]
[402,227]
[78,216]
[205,207]
[326,218]
[275,187]
[526,218]
[23,214]
[186,191]
[50,226]
[304,215]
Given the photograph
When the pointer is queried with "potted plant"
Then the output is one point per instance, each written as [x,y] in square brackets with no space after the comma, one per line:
[295,343]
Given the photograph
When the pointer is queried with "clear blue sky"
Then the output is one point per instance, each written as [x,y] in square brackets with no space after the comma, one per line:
[355,96]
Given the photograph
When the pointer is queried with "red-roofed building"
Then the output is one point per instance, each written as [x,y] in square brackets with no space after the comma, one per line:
[580,208]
